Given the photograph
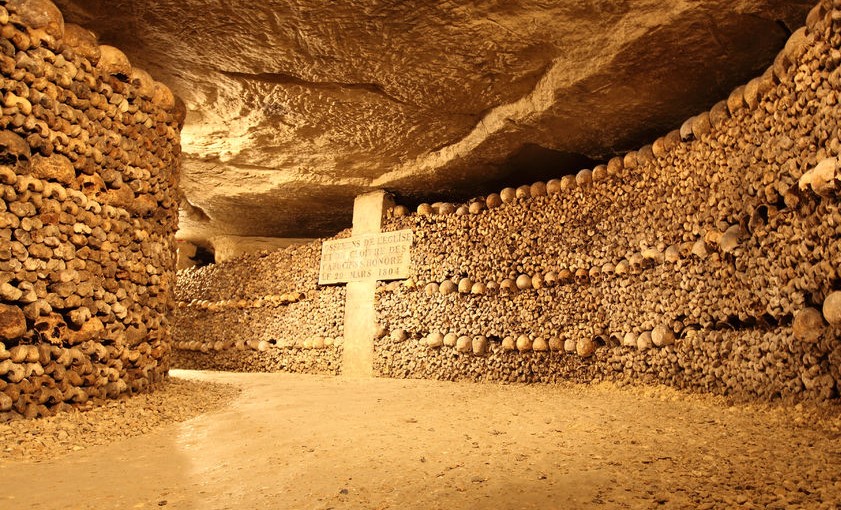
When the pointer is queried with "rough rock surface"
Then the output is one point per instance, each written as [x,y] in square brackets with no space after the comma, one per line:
[297,106]
[229,247]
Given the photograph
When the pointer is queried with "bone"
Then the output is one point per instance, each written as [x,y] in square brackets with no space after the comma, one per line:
[90,206]
[113,62]
[702,261]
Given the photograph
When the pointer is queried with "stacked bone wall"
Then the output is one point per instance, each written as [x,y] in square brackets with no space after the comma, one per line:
[260,312]
[708,260]
[89,156]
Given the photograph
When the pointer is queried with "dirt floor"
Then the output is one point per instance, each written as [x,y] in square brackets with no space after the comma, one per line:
[301,442]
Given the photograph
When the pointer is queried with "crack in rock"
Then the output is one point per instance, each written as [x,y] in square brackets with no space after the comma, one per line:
[289,79]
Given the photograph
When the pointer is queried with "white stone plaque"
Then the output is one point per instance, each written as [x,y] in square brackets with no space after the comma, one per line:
[383,256]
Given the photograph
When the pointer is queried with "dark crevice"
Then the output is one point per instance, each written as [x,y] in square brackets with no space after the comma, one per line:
[288,79]
[204,256]
[785,27]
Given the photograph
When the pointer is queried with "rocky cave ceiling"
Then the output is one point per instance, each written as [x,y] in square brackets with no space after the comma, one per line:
[295,107]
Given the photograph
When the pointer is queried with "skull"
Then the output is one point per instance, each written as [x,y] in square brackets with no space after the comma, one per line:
[686,134]
[51,328]
[584,178]
[447,287]
[493,201]
[114,62]
[565,276]
[13,149]
[582,276]
[143,82]
[54,168]
[538,189]
[832,308]
[635,263]
[568,183]
[507,195]
[622,267]
[652,256]
[523,282]
[479,288]
[659,148]
[41,17]
[82,41]
[599,173]
[476,206]
[550,279]
[92,186]
[465,285]
[645,155]
[731,239]
[431,289]
[508,286]
[822,178]
[163,97]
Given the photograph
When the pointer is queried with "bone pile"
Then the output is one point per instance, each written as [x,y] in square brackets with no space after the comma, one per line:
[259,312]
[89,154]
[707,260]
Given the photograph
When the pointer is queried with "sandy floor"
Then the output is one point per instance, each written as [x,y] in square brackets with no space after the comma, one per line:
[321,442]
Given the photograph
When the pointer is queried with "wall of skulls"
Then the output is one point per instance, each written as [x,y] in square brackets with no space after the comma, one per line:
[89,158]
[708,260]
[260,312]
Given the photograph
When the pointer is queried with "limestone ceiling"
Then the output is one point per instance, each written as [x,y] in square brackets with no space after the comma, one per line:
[297,106]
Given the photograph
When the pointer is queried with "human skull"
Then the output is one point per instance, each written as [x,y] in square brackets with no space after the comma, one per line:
[142,82]
[51,328]
[508,286]
[92,186]
[42,18]
[565,276]
[82,41]
[114,62]
[13,149]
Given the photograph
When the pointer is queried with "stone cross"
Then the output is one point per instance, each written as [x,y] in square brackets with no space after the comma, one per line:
[360,261]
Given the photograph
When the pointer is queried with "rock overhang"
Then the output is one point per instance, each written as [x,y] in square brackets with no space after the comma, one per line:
[295,107]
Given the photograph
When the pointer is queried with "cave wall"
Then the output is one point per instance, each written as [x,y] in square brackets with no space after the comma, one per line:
[89,161]
[707,260]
